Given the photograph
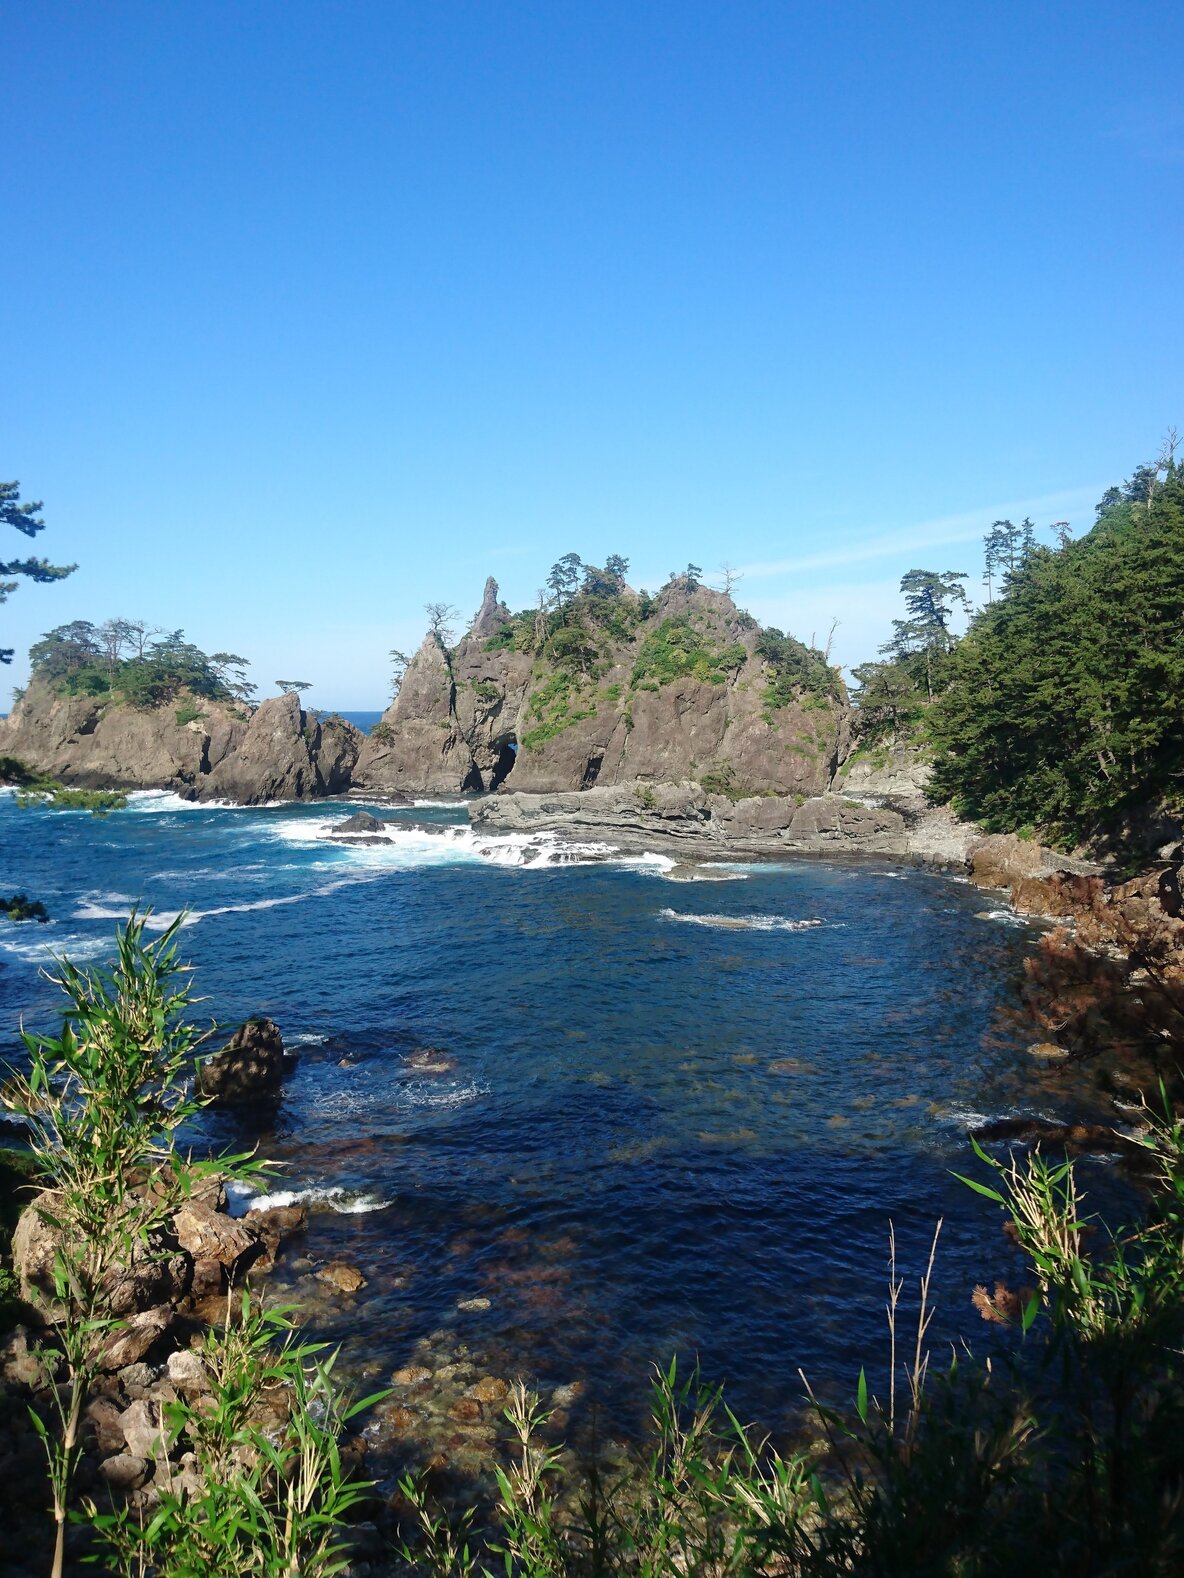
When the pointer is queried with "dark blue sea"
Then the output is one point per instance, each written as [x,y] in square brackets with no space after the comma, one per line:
[658,1115]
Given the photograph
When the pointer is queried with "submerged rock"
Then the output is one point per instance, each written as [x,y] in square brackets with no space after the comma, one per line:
[341,1275]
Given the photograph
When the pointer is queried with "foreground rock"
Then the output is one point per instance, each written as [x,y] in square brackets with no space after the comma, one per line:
[278,752]
[250,1067]
[362,828]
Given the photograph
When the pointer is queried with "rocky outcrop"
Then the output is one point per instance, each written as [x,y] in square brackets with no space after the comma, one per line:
[85,741]
[285,754]
[278,752]
[591,706]
[250,1067]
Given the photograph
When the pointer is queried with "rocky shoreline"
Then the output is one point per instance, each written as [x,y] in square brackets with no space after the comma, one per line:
[683,819]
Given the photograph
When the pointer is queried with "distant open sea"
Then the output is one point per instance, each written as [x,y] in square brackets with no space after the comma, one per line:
[660,1115]
[361,720]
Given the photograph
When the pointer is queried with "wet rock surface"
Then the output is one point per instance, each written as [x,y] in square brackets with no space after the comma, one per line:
[250,1067]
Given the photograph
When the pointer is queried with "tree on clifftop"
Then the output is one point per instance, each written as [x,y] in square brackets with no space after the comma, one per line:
[292,687]
[25,518]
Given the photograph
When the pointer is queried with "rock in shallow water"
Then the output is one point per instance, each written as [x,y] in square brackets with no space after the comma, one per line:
[250,1067]
[342,1276]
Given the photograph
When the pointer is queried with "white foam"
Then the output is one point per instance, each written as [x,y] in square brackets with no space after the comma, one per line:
[346,1202]
[75,946]
[157,801]
[1004,917]
[743,922]
[159,920]
[406,848]
[439,805]
[441,1097]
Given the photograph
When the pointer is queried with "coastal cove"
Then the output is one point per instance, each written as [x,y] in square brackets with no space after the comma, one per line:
[650,1084]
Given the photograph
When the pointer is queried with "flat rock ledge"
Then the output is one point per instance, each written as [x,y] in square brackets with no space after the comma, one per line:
[683,815]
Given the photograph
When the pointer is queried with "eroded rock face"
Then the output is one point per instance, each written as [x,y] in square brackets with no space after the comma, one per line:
[485,714]
[83,740]
[279,752]
[250,1067]
[285,754]
[665,813]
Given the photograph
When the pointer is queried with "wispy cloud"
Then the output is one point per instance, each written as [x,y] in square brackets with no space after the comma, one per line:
[966,527]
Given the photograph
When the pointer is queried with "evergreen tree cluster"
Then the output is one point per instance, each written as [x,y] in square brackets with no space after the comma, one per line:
[1061,707]
[130,661]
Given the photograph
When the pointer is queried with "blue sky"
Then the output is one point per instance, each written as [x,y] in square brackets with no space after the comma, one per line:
[313,313]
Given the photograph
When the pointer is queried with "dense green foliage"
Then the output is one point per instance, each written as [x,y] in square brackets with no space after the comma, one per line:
[103,1102]
[589,611]
[794,670]
[25,518]
[126,661]
[678,649]
[37,788]
[1062,705]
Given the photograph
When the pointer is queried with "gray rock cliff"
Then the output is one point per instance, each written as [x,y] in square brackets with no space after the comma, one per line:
[672,690]
[278,752]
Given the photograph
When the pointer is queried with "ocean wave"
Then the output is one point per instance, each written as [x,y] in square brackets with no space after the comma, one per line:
[439,805]
[406,848]
[75,946]
[160,801]
[743,922]
[1004,917]
[334,1197]
[93,909]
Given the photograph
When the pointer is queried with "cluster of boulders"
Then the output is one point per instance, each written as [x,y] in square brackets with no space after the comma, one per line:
[172,1284]
[1110,976]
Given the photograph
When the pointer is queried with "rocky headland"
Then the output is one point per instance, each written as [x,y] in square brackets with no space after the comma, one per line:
[220,751]
[662,691]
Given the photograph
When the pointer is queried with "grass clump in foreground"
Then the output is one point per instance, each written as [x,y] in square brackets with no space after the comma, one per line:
[102,1103]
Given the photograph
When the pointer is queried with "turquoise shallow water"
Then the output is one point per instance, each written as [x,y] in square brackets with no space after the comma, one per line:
[667,1115]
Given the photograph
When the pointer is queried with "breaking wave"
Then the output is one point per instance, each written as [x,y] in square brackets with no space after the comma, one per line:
[743,922]
[334,1197]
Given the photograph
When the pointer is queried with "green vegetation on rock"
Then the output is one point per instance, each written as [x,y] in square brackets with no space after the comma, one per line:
[128,662]
[678,649]
[20,907]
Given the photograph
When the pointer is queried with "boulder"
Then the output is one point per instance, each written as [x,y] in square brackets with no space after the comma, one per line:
[360,822]
[341,1275]
[142,1429]
[125,1472]
[155,1273]
[250,1067]
[1002,858]
[130,1341]
[209,1235]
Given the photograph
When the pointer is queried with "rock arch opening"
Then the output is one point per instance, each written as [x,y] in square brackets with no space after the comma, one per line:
[507,756]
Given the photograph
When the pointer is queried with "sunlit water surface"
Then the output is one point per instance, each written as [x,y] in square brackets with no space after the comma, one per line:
[669,1115]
